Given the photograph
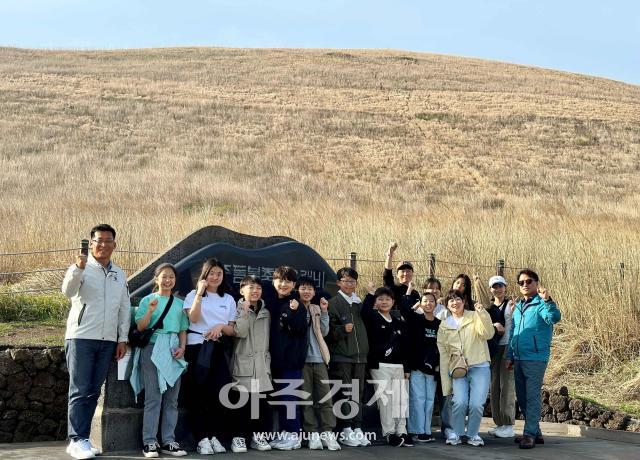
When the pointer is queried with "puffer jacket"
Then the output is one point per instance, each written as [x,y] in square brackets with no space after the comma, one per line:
[532,329]
[251,358]
[470,337]
[100,305]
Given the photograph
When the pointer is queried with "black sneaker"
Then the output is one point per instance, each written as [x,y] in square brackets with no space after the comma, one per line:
[408,440]
[173,448]
[150,450]
[394,440]
[424,438]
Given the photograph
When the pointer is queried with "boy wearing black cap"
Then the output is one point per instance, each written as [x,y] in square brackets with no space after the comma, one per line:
[404,275]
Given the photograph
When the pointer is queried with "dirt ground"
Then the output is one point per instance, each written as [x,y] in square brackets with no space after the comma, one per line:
[31,334]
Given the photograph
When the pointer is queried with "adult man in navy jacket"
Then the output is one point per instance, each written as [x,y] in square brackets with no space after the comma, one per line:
[529,350]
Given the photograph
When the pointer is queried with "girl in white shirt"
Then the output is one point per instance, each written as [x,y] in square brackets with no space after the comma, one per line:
[212,314]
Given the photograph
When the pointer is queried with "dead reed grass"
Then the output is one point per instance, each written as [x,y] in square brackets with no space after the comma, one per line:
[344,151]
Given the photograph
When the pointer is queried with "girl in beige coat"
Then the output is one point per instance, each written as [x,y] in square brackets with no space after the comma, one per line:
[465,332]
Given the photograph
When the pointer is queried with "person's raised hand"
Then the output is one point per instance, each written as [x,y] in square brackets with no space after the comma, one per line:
[153,304]
[544,293]
[348,327]
[293,304]
[201,287]
[371,287]
[324,304]
[392,247]
[410,287]
[81,261]
[478,306]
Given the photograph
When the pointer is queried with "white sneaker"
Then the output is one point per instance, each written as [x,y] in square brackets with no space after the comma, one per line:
[94,449]
[328,439]
[279,438]
[453,439]
[173,448]
[505,431]
[238,445]
[314,442]
[258,442]
[360,436]
[217,447]
[492,431]
[205,447]
[347,437]
[80,449]
[151,450]
[291,441]
[296,438]
[475,441]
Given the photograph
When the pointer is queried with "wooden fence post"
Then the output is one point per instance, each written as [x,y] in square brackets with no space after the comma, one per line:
[621,268]
[352,260]
[432,265]
[500,267]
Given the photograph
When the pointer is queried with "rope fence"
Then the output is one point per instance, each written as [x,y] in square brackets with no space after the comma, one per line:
[48,251]
[351,260]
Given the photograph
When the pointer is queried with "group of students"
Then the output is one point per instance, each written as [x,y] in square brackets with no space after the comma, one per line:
[286,345]
[283,344]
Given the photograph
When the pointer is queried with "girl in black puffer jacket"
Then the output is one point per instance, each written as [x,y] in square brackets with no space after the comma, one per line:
[424,359]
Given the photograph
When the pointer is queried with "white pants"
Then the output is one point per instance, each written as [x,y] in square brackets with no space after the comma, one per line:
[393,398]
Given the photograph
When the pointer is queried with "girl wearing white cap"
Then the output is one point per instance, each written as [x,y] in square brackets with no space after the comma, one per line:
[503,401]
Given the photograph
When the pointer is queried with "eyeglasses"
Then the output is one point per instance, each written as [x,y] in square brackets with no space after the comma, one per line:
[527,281]
[348,281]
[103,242]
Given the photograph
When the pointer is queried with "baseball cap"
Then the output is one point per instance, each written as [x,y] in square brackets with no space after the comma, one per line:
[404,265]
[497,280]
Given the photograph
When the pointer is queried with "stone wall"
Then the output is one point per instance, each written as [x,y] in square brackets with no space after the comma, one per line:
[558,406]
[33,395]
[34,384]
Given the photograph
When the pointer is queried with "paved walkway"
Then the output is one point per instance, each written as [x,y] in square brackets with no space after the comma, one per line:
[558,445]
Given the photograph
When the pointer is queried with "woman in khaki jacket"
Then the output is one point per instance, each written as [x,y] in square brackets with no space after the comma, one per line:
[465,333]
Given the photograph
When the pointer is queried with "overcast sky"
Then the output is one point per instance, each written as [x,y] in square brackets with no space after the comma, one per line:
[599,38]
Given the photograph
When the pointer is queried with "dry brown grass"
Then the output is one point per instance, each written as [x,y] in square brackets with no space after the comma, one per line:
[342,150]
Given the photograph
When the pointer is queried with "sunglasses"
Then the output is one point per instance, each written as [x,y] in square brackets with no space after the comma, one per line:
[523,282]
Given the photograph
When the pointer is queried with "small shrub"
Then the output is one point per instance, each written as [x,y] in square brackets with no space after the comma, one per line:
[32,307]
[492,203]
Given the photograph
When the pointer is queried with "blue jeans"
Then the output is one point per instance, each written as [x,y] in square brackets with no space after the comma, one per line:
[470,395]
[422,392]
[529,376]
[88,363]
[444,403]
